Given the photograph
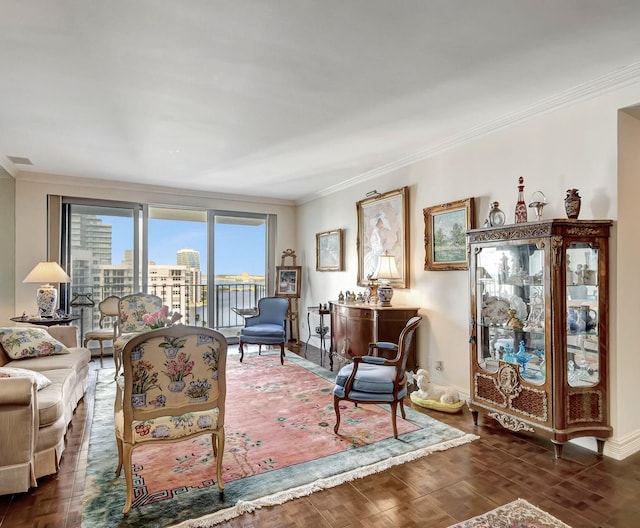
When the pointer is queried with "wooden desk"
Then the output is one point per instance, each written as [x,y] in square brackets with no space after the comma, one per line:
[354,326]
[46,321]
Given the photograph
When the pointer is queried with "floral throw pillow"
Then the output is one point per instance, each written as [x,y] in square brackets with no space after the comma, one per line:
[20,342]
[40,379]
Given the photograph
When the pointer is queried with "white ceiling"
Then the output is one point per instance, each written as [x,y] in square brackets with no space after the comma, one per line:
[284,98]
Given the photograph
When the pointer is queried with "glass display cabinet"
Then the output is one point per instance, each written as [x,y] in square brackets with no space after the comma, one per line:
[539,328]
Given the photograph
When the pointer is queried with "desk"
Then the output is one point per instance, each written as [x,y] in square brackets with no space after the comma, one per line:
[321,331]
[46,322]
[245,312]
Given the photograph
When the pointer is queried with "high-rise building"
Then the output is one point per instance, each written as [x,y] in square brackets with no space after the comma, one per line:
[189,258]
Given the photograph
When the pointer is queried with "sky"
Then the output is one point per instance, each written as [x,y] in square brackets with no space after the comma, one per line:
[239,248]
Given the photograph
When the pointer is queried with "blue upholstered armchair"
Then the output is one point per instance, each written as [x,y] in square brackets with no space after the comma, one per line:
[266,328]
[375,379]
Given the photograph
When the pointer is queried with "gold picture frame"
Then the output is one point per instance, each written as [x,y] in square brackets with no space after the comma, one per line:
[329,251]
[445,237]
[383,226]
[288,280]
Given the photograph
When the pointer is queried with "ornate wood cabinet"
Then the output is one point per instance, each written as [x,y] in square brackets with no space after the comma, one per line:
[539,328]
[354,326]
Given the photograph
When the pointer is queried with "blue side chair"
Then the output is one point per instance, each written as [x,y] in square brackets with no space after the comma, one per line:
[267,327]
[375,379]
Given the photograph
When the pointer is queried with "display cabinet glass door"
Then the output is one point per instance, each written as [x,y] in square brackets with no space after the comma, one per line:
[583,358]
[510,309]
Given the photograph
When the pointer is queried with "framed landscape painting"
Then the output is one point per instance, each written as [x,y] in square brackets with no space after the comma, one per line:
[445,237]
[383,226]
[329,251]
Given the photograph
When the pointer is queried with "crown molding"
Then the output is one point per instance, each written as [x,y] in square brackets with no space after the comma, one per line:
[95,183]
[599,86]
[7,166]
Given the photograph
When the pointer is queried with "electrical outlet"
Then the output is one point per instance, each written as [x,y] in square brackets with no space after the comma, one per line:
[438,365]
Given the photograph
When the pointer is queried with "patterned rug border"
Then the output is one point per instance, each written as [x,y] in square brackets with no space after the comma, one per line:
[480,521]
[396,454]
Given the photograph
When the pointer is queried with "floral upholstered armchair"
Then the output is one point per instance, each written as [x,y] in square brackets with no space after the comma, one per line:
[173,387]
[132,311]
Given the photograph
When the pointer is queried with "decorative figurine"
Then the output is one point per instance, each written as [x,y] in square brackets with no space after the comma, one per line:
[341,297]
[513,321]
[521,207]
[434,396]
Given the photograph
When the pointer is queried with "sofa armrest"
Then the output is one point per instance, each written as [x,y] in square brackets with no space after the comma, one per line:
[18,420]
[66,334]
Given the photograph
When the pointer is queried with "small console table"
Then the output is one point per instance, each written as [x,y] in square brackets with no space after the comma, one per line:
[355,325]
[323,333]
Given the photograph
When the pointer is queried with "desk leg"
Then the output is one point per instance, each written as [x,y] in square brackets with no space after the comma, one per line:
[308,335]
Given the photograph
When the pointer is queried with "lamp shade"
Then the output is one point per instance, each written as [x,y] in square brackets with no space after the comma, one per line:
[387,268]
[47,296]
[47,272]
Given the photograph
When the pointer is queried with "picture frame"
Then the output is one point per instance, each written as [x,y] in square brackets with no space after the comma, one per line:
[288,279]
[383,226]
[329,251]
[445,237]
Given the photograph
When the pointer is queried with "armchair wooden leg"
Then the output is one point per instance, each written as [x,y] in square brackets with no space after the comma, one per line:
[119,468]
[282,353]
[336,407]
[219,438]
[404,416]
[241,349]
[394,409]
[128,476]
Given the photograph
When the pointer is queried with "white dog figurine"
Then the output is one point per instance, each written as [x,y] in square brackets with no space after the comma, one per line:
[430,391]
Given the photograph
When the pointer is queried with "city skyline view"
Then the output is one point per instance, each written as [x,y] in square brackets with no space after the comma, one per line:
[239,248]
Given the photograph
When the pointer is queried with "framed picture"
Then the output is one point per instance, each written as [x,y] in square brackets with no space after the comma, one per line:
[383,227]
[445,237]
[329,251]
[288,281]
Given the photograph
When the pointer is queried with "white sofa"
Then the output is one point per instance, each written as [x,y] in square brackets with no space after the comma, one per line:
[33,423]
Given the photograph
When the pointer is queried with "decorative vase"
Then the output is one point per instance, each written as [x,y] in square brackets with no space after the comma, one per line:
[572,203]
[171,353]
[496,216]
[385,294]
[176,386]
[139,400]
[521,207]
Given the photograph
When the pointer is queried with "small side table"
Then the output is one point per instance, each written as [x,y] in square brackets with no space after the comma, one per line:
[49,321]
[323,335]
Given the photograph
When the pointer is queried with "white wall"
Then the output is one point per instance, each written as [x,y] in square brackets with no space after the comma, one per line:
[574,147]
[31,211]
[7,245]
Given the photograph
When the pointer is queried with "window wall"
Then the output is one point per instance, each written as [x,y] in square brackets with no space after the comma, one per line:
[206,264]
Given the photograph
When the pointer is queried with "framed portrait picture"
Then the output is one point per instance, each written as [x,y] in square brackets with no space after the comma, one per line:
[445,237]
[329,251]
[383,228]
[288,281]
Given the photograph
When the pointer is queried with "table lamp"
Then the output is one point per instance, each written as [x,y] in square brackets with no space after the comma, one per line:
[386,271]
[47,296]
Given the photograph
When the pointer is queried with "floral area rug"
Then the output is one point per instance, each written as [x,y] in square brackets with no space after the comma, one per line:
[516,514]
[279,445]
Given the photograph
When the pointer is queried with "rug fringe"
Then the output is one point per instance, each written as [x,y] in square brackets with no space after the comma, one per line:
[281,497]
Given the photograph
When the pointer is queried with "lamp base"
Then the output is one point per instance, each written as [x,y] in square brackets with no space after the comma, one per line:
[385,293]
[46,300]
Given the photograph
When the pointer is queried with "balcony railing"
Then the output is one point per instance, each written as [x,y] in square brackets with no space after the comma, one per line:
[192,301]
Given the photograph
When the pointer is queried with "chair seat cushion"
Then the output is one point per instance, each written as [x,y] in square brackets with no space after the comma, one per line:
[263,330]
[376,397]
[169,427]
[376,379]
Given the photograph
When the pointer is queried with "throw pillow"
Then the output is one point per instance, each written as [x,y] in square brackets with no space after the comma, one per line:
[40,379]
[20,342]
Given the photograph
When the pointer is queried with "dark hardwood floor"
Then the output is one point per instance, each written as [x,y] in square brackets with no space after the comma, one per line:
[436,491]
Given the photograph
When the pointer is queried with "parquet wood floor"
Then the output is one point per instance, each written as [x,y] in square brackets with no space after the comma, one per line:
[582,490]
